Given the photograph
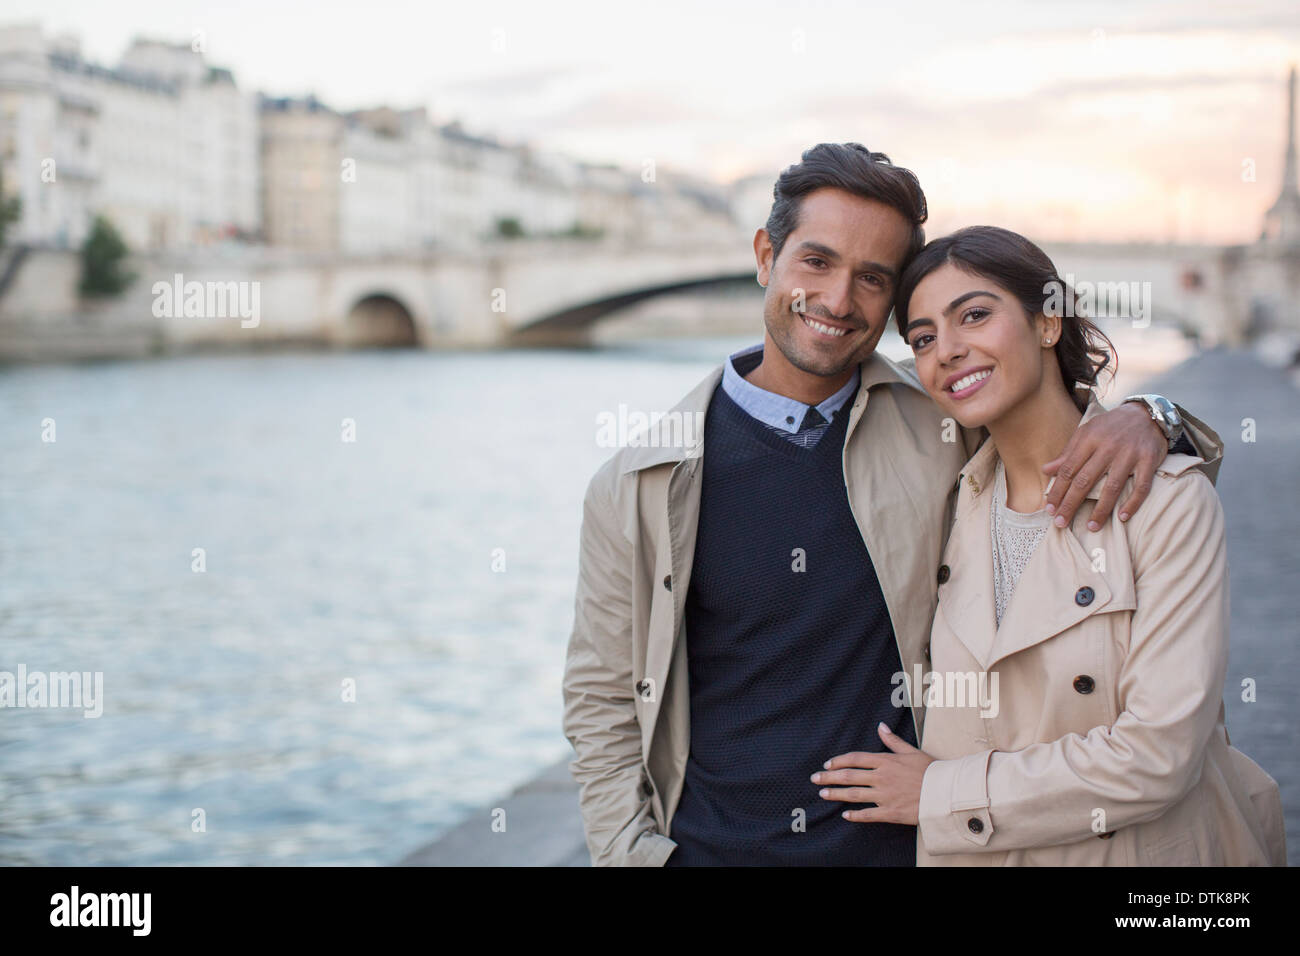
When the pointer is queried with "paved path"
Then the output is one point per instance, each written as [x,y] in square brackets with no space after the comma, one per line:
[542,828]
[1258,486]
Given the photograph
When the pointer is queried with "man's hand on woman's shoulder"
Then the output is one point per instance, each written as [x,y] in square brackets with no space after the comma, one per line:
[1121,442]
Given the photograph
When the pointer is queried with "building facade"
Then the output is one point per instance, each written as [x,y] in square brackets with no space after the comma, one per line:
[176,155]
[163,144]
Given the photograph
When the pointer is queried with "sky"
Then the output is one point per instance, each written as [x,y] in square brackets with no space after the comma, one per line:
[1106,120]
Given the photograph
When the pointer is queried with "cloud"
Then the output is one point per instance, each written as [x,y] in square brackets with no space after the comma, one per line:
[523,81]
[627,107]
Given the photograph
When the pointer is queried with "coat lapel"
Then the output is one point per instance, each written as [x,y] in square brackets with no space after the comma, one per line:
[668,508]
[1044,602]
[966,599]
[1046,599]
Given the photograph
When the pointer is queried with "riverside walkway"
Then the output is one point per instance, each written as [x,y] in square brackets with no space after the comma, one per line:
[1258,487]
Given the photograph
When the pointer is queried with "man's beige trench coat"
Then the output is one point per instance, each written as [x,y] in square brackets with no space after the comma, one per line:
[1087,729]
[626,699]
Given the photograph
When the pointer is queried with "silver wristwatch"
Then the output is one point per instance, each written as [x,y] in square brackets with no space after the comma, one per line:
[1163,413]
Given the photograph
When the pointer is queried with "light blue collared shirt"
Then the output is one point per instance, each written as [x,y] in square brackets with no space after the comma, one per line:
[776,411]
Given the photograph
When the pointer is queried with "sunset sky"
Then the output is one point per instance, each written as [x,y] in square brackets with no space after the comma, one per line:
[1111,119]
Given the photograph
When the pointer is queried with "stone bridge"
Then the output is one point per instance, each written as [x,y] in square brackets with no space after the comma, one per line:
[519,292]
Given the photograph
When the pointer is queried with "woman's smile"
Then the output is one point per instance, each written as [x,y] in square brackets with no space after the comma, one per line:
[968,385]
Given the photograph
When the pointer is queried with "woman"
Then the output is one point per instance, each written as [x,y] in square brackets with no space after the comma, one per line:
[1074,713]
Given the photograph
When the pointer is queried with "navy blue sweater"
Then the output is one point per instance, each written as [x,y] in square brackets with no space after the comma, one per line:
[788,667]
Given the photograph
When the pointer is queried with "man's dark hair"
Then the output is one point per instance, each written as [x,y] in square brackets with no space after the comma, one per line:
[855,169]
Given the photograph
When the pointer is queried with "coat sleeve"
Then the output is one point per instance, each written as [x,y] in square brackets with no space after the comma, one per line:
[1207,442]
[1170,690]
[600,718]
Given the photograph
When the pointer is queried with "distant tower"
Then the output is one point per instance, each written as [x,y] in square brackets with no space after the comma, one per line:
[1282,221]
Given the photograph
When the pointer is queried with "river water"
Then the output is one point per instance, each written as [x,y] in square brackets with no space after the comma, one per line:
[430,562]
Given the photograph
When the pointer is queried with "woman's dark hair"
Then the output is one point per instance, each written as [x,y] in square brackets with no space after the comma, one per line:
[1023,269]
[855,169]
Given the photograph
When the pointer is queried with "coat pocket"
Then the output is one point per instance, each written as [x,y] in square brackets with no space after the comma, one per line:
[1180,851]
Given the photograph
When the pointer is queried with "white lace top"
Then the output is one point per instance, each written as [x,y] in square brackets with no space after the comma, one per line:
[1015,536]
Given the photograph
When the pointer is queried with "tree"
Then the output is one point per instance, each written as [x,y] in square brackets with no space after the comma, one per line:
[509,228]
[580,230]
[102,272]
[11,208]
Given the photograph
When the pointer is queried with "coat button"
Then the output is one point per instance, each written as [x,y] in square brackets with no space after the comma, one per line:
[641,687]
[1084,684]
[668,582]
[1083,596]
[927,651]
[647,789]
[944,573]
[975,825]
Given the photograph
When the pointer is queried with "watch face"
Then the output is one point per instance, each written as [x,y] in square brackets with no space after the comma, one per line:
[1167,410]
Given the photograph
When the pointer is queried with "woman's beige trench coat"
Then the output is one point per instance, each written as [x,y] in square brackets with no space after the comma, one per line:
[1088,729]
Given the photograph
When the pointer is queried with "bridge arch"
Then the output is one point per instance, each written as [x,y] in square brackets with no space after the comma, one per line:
[379,320]
[578,318]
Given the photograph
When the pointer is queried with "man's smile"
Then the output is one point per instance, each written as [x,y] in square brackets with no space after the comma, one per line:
[825,329]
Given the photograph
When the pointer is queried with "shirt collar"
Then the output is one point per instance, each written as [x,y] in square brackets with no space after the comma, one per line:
[781,412]
[665,446]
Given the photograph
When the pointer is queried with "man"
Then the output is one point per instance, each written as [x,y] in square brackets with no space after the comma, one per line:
[737,625]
